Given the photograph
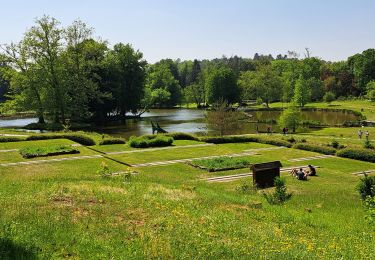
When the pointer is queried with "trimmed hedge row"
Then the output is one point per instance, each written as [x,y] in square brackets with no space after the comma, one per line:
[245,138]
[32,152]
[6,139]
[315,148]
[108,141]
[357,154]
[182,136]
[78,138]
[150,141]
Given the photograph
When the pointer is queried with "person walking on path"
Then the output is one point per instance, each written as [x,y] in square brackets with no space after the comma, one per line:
[360,134]
[367,135]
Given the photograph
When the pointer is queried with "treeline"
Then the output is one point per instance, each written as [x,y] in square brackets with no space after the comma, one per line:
[65,73]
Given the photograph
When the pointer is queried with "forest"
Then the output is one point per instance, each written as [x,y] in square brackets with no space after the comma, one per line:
[68,73]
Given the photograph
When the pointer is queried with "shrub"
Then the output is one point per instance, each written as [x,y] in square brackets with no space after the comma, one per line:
[245,188]
[335,144]
[280,195]
[244,139]
[150,141]
[32,152]
[370,206]
[329,97]
[368,145]
[366,187]
[78,138]
[182,136]
[5,139]
[108,141]
[315,148]
[45,126]
[357,154]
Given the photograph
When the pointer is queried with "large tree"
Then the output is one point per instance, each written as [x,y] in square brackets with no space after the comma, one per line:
[263,83]
[221,85]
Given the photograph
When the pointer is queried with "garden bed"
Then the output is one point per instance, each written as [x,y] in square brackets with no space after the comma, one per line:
[32,152]
[221,164]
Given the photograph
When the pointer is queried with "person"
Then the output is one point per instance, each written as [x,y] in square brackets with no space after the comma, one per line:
[284,130]
[301,175]
[312,170]
[360,134]
[367,135]
[268,130]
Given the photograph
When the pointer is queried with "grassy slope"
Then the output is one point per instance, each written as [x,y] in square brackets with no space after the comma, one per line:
[65,209]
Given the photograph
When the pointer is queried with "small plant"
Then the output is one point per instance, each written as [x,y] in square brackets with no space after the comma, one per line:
[104,170]
[303,140]
[335,144]
[368,145]
[370,206]
[245,188]
[280,195]
[366,187]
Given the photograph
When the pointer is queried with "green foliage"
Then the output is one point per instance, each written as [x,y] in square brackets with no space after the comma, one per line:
[104,170]
[357,154]
[368,145]
[150,141]
[315,148]
[221,84]
[329,97]
[370,206]
[335,144]
[109,141]
[78,138]
[280,194]
[302,93]
[222,163]
[32,152]
[45,126]
[182,136]
[5,139]
[366,187]
[244,139]
[263,84]
[290,118]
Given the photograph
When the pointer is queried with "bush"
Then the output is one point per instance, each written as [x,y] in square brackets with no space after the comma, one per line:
[368,145]
[244,139]
[78,138]
[150,141]
[5,139]
[335,144]
[329,97]
[315,148]
[357,154]
[182,136]
[280,195]
[370,206]
[45,126]
[108,141]
[32,152]
[366,187]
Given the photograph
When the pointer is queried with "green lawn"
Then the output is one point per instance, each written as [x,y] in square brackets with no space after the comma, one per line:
[67,210]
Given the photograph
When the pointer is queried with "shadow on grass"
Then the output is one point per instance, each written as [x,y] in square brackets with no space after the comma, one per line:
[10,250]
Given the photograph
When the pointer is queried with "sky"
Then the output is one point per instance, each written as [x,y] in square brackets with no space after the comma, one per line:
[206,29]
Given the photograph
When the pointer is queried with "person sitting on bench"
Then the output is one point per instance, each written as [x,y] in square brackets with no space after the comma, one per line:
[301,175]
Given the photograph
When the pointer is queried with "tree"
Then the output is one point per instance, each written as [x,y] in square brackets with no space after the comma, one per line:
[44,44]
[301,92]
[221,85]
[370,87]
[329,97]
[221,119]
[263,83]
[290,117]
[127,75]
[363,68]
[160,77]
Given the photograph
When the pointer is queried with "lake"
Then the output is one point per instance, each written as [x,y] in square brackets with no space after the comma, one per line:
[193,121]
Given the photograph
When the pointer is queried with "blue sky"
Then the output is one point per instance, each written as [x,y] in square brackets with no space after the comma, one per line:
[188,29]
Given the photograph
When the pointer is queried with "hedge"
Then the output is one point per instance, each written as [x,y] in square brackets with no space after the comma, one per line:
[78,138]
[182,136]
[244,139]
[150,141]
[32,152]
[315,148]
[5,139]
[357,154]
[108,141]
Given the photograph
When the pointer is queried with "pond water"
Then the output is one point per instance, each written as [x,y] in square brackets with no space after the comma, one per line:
[193,121]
